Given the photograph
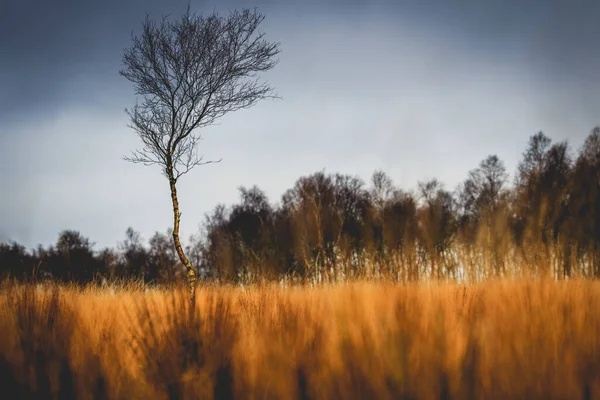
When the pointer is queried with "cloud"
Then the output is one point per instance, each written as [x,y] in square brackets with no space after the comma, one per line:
[420,90]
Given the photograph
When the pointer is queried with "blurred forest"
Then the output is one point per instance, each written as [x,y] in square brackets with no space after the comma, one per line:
[334,227]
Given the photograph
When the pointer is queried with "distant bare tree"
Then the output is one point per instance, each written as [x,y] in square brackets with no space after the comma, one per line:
[382,188]
[189,73]
[483,188]
[437,225]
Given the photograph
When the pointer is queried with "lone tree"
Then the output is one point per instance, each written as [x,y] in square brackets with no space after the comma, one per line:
[189,73]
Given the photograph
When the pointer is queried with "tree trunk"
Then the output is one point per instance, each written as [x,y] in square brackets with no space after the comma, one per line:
[191,273]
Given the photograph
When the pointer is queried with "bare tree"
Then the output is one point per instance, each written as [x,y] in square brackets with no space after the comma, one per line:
[482,190]
[382,188]
[189,73]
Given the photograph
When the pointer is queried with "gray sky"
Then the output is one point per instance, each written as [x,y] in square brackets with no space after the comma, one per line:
[418,88]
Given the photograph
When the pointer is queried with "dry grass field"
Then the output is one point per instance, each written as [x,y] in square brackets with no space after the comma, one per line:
[501,340]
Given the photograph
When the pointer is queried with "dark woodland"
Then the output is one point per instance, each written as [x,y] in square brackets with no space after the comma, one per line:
[335,227]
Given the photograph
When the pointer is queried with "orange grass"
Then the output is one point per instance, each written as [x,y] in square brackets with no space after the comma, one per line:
[502,340]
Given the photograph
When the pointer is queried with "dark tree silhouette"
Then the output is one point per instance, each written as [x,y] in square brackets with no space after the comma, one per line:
[481,191]
[382,188]
[437,224]
[354,213]
[311,203]
[134,256]
[533,157]
[584,206]
[481,199]
[72,259]
[108,260]
[399,234]
[15,262]
[542,197]
[190,73]
[250,228]
[163,262]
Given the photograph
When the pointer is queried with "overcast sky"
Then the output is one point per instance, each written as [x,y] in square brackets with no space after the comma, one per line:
[418,88]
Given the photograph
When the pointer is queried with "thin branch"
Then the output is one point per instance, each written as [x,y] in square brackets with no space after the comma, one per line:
[189,73]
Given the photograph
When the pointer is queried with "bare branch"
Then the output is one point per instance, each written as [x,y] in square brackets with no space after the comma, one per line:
[189,73]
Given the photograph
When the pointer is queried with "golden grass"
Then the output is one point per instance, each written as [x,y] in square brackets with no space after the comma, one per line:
[502,340]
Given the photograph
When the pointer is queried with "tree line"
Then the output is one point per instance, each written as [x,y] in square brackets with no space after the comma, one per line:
[335,227]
